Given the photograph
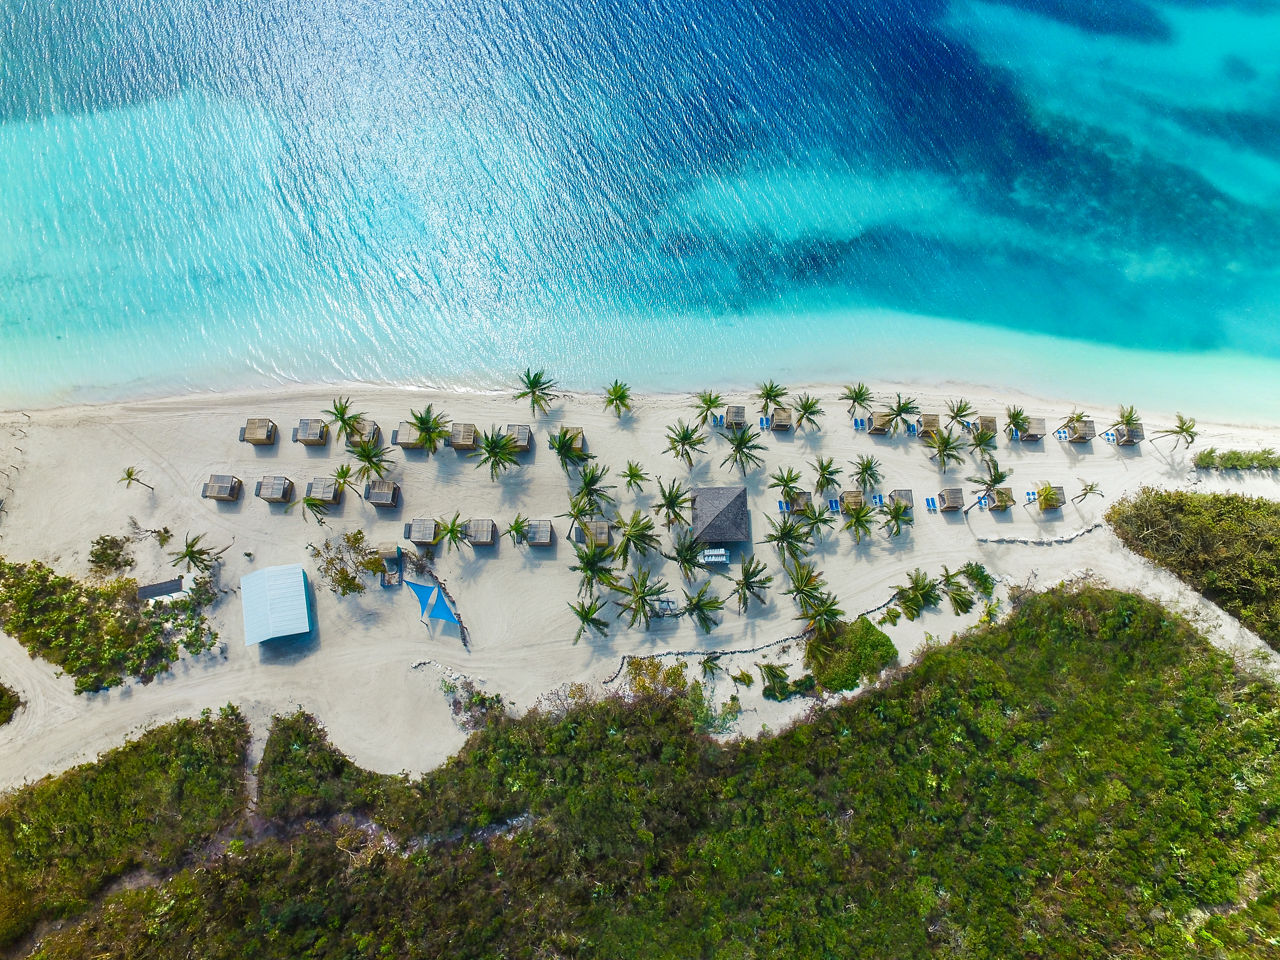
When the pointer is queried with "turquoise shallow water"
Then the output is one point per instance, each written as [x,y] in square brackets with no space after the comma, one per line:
[1069,198]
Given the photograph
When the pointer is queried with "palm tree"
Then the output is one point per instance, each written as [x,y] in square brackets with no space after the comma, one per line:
[828,475]
[432,427]
[1047,497]
[744,447]
[770,395]
[959,411]
[701,606]
[893,516]
[634,534]
[497,451]
[452,532]
[1015,418]
[866,470]
[1127,418]
[901,411]
[859,521]
[819,518]
[946,448]
[344,479]
[581,509]
[807,410]
[635,476]
[920,591]
[786,482]
[592,486]
[957,591]
[131,476]
[823,616]
[686,553]
[790,536]
[340,415]
[311,505]
[672,502]
[563,445]
[593,567]
[806,586]
[518,529]
[858,397]
[1076,418]
[978,577]
[642,597]
[617,397]
[994,477]
[195,555]
[538,389]
[588,614]
[705,404]
[710,665]
[752,581]
[982,443]
[684,440]
[1088,488]
[1185,430]
[374,460]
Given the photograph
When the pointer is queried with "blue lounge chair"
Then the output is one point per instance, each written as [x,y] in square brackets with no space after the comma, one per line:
[782,507]
[1032,496]
[833,506]
[1062,434]
[1014,434]
[982,503]
[1109,437]
[877,500]
[911,430]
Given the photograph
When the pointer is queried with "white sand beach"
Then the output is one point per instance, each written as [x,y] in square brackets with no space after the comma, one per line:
[371,670]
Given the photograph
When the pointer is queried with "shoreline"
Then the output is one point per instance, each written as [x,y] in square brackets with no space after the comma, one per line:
[357,673]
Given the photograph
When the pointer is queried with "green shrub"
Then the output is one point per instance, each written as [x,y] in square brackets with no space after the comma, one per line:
[143,805]
[1212,459]
[9,704]
[842,660]
[109,555]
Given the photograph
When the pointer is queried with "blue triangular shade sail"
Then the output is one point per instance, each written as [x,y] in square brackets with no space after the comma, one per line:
[440,610]
[423,593]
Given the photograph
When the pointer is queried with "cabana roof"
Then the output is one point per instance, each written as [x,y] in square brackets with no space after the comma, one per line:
[407,436]
[903,496]
[929,424]
[1130,436]
[462,436]
[1035,429]
[420,531]
[1082,432]
[951,499]
[481,533]
[595,531]
[850,500]
[1002,500]
[275,603]
[1060,496]
[881,422]
[720,515]
[541,533]
[781,419]
[311,432]
[274,489]
[365,431]
[579,439]
[382,493]
[735,417]
[260,431]
[324,489]
[800,502]
[987,423]
[222,486]
[523,435]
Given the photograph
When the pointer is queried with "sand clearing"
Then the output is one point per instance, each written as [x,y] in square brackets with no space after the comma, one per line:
[371,671]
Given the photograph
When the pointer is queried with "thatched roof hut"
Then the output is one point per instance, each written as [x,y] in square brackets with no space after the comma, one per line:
[579,438]
[903,496]
[1059,498]
[382,493]
[800,502]
[735,417]
[1035,430]
[481,533]
[1002,499]
[951,499]
[928,425]
[365,431]
[1130,436]
[311,432]
[541,533]
[260,431]
[407,436]
[462,436]
[720,515]
[1081,432]
[222,486]
[421,531]
[781,419]
[595,531]
[274,489]
[325,489]
[522,434]
[881,423]
[987,423]
[850,500]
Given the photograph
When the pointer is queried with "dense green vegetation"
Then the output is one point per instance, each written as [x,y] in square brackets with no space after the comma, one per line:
[857,652]
[9,704]
[100,633]
[1086,779]
[142,806]
[1214,459]
[1225,546]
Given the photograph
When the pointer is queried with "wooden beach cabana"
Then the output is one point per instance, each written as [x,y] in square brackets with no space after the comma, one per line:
[735,417]
[579,438]
[421,531]
[951,499]
[462,436]
[389,554]
[1001,499]
[259,431]
[801,502]
[407,436]
[481,533]
[223,487]
[1035,430]
[382,493]
[521,435]
[929,425]
[720,515]
[1130,436]
[311,432]
[987,423]
[325,489]
[1060,495]
[781,419]
[880,424]
[541,533]
[365,431]
[595,532]
[274,489]
[903,495]
[851,500]
[1081,432]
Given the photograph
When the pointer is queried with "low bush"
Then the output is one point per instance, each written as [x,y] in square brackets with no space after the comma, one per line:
[9,704]
[843,659]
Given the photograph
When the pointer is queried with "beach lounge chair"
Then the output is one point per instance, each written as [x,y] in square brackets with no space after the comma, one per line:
[982,503]
[782,506]
[1109,437]
[1062,434]
[912,430]
[877,500]
[1032,496]
[714,555]
[833,505]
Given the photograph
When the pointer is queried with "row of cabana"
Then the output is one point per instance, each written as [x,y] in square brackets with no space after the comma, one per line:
[1073,430]
[314,432]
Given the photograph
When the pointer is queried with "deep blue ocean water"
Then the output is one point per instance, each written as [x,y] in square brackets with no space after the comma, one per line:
[1062,195]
